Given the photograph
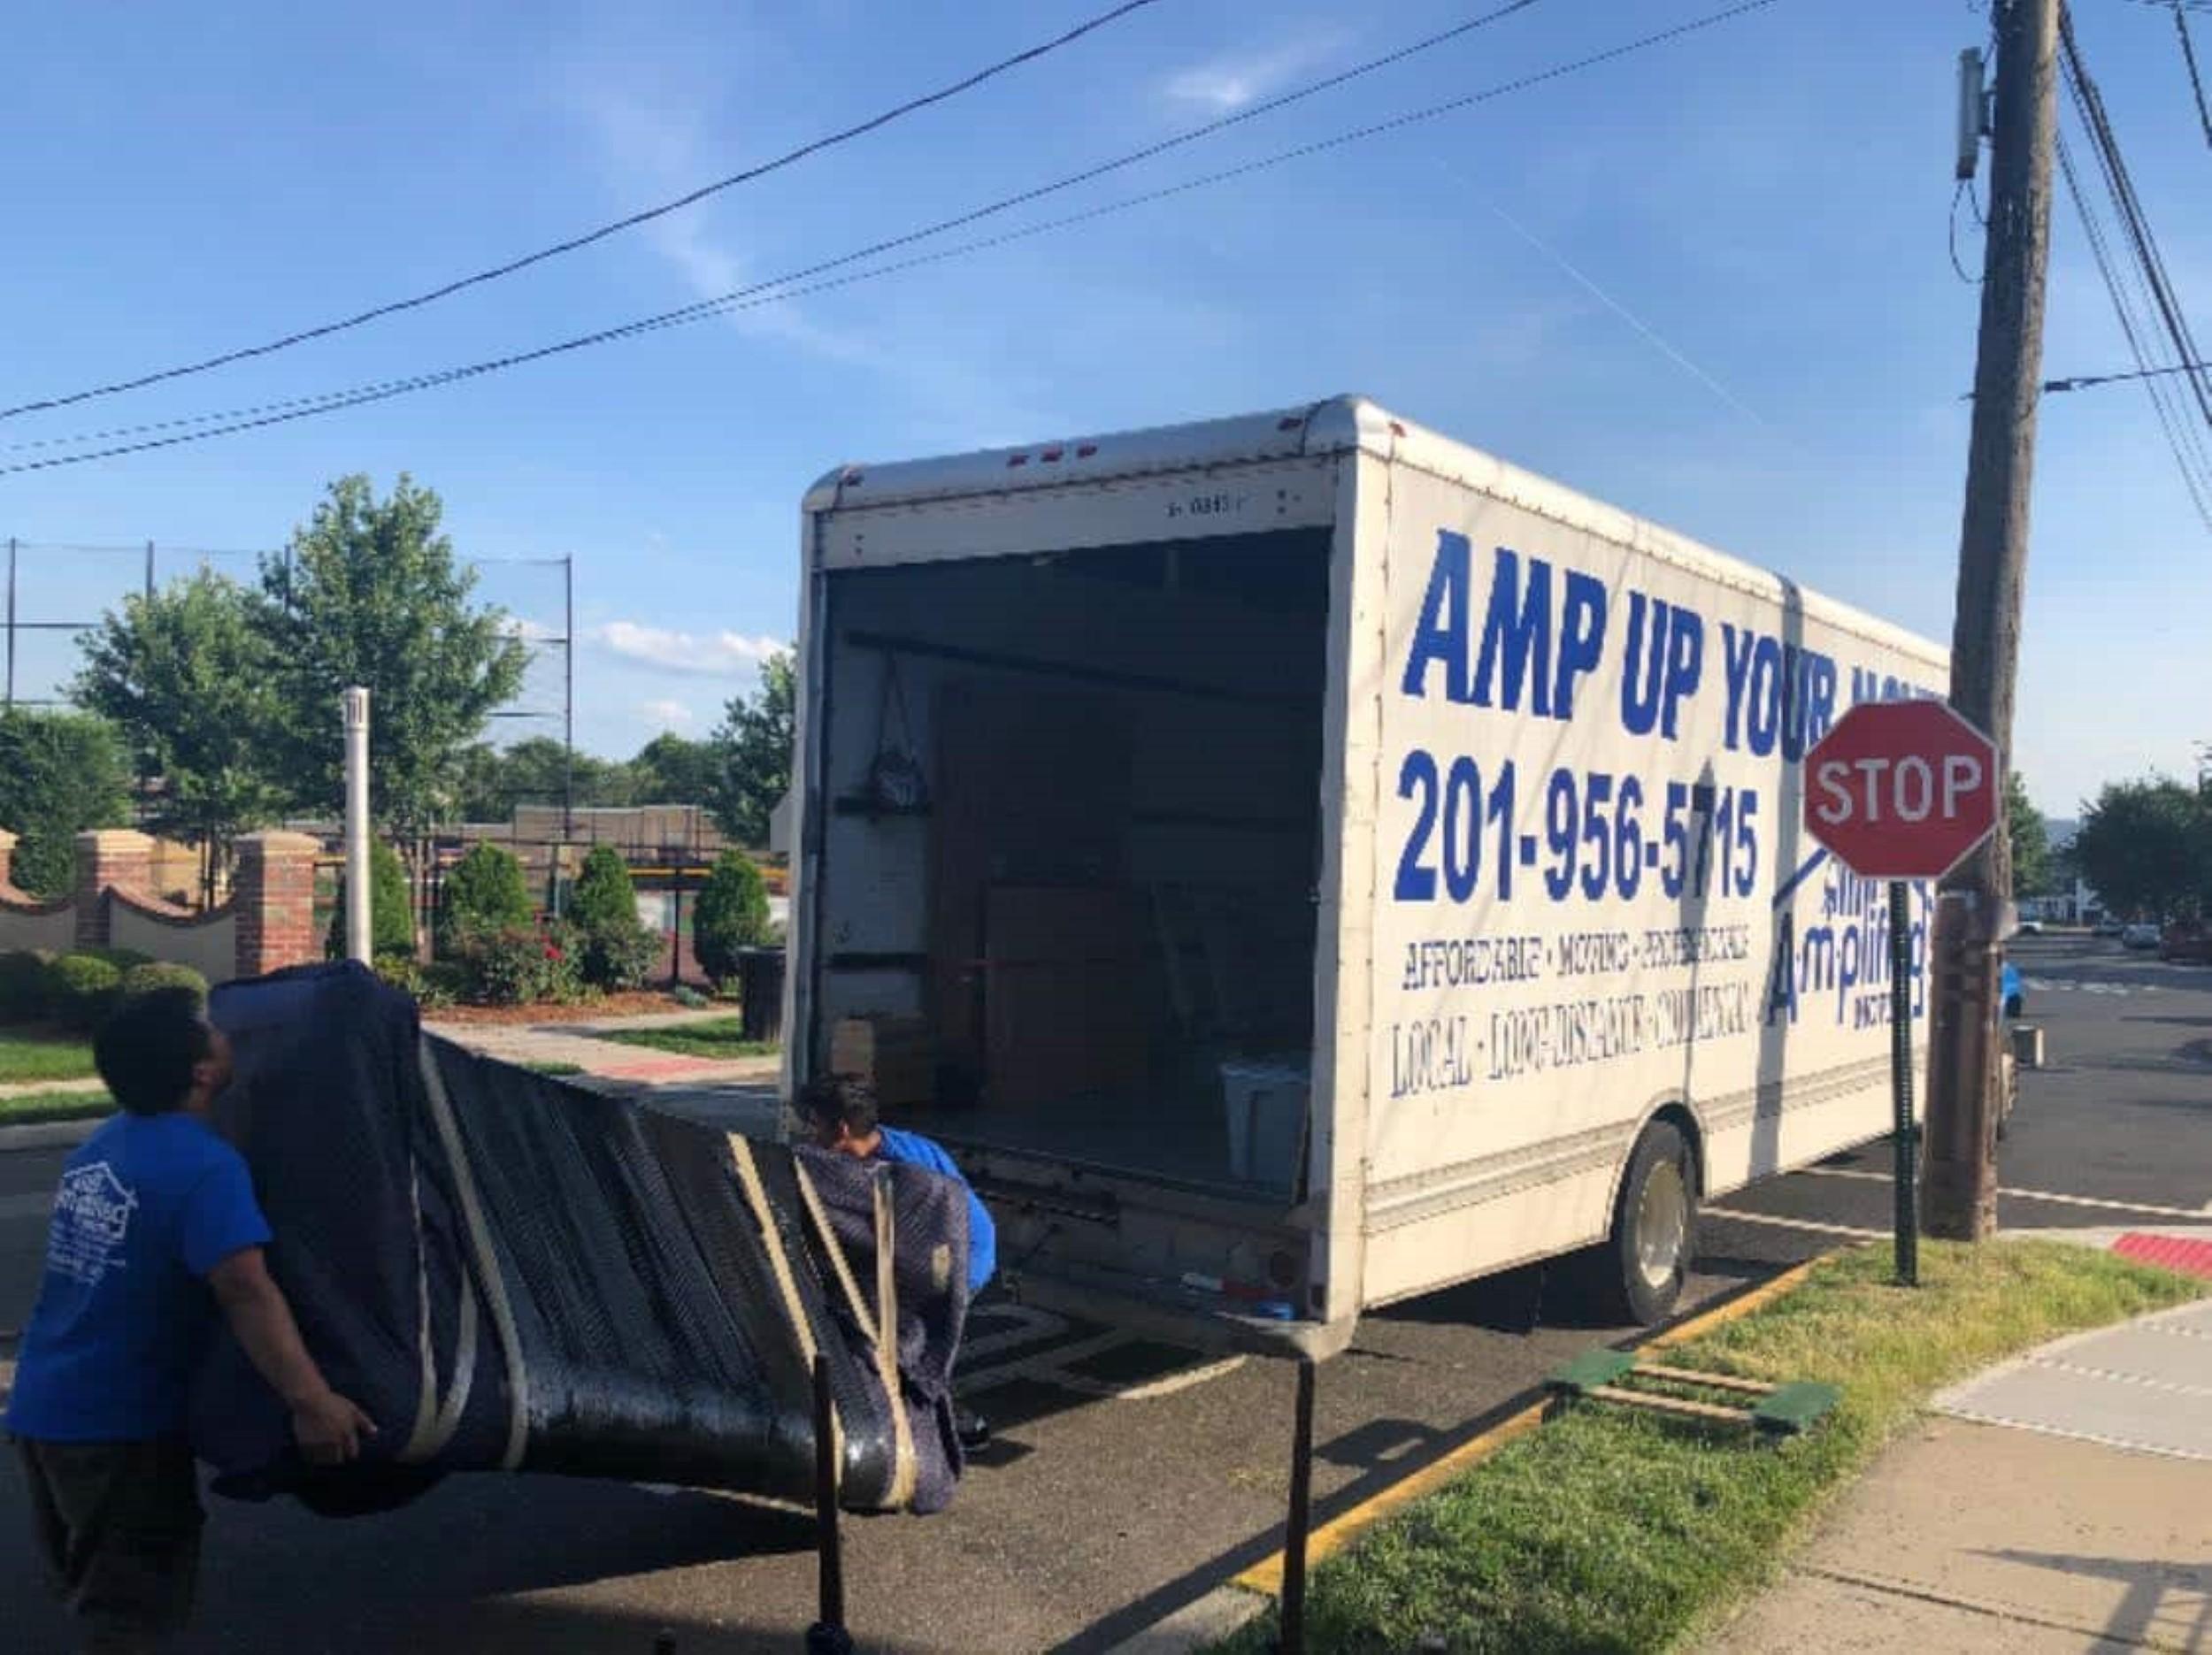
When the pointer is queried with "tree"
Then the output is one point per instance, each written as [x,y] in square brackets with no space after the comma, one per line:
[755,738]
[484,892]
[732,914]
[369,592]
[671,770]
[2146,846]
[2030,839]
[486,783]
[391,909]
[189,680]
[61,774]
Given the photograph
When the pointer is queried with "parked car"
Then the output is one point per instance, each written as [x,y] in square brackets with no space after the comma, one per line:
[2108,927]
[2028,928]
[2186,942]
[2142,934]
[2008,990]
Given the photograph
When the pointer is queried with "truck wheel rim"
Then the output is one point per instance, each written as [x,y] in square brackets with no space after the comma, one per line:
[1663,1222]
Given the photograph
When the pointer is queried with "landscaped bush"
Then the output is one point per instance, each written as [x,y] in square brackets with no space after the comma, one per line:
[441,983]
[520,966]
[732,914]
[484,892]
[391,909]
[618,952]
[82,989]
[157,975]
[618,960]
[24,985]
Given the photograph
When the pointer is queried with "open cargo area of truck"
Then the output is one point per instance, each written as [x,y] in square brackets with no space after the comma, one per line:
[1072,829]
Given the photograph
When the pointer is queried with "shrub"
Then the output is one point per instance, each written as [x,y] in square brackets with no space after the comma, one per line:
[603,898]
[431,987]
[484,892]
[24,985]
[518,966]
[618,952]
[82,989]
[159,974]
[121,959]
[616,960]
[391,908]
[732,914]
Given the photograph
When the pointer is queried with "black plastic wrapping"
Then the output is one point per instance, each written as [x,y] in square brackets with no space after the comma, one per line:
[511,1272]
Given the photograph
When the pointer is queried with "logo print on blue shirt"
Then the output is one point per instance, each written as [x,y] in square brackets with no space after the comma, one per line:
[92,1216]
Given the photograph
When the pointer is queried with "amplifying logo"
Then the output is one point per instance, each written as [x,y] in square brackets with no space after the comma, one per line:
[92,1217]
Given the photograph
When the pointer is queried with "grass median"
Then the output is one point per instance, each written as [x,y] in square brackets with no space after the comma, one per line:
[27,1056]
[719,1037]
[37,1108]
[1611,1530]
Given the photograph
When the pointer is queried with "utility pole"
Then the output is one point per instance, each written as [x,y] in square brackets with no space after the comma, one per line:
[1960,1196]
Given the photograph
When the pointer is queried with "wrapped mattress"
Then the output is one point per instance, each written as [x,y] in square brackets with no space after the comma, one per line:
[512,1274]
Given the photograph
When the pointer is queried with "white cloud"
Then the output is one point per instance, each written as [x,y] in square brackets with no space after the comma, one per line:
[667,715]
[719,654]
[650,152]
[1227,84]
[529,630]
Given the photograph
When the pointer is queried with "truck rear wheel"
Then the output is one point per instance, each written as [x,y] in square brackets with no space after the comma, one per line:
[1639,1269]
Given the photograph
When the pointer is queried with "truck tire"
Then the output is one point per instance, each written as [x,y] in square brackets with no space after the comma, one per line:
[1639,1269]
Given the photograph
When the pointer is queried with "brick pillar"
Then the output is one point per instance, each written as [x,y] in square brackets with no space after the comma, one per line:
[274,897]
[8,842]
[112,859]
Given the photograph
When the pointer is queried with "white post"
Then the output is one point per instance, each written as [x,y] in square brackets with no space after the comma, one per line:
[358,875]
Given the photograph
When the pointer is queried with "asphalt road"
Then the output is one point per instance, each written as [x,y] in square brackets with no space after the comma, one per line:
[1128,1477]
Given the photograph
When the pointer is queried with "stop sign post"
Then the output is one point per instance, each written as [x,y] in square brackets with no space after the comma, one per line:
[1901,791]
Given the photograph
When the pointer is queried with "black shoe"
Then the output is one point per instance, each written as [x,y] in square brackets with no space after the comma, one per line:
[973,1429]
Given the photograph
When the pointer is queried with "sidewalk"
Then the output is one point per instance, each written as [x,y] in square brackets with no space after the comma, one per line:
[2060,1501]
[737,1095]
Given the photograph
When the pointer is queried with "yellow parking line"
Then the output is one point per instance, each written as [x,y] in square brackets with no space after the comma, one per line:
[1339,1531]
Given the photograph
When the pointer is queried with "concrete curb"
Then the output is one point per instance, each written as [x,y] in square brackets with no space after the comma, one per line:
[47,1135]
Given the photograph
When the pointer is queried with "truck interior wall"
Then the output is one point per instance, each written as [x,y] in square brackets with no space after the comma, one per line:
[1120,752]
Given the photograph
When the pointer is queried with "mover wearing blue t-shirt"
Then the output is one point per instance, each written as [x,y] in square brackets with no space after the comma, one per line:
[155,1234]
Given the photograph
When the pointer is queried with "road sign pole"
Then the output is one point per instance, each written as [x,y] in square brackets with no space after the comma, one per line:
[1908,1130]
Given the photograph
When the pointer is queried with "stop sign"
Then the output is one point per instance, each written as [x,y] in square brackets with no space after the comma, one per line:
[1901,790]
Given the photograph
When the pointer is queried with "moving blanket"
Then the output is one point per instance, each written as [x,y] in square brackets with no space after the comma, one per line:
[512,1274]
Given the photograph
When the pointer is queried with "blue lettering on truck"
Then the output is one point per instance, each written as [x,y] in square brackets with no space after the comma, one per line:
[1484,829]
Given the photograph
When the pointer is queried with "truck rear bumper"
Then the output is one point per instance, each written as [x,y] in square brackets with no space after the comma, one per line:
[1200,1326]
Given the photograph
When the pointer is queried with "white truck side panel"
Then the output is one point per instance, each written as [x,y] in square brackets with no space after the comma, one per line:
[1594,897]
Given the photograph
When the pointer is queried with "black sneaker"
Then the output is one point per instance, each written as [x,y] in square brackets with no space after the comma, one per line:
[973,1429]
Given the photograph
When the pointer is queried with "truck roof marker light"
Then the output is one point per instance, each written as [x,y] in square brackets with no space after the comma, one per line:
[1013,460]
[1086,451]
[1290,422]
[1051,456]
[1397,428]
[852,479]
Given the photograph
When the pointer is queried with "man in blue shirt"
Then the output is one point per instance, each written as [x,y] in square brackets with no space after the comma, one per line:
[840,1113]
[155,1229]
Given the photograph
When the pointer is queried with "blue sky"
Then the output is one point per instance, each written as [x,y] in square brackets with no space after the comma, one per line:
[1708,283]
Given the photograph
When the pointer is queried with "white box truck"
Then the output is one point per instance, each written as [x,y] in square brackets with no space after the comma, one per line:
[1329,862]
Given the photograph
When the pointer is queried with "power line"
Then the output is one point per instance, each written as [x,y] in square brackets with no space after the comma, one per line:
[2087,381]
[415,302]
[779,289]
[2147,276]
[707,307]
[2196,79]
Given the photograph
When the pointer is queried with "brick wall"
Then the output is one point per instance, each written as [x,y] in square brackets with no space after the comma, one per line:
[274,893]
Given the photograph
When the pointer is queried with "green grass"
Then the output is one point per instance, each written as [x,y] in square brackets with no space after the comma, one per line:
[1608,1531]
[31,1109]
[555,1069]
[26,1057]
[714,1037]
